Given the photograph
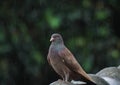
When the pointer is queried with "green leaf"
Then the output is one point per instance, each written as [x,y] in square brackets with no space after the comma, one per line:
[103,31]
[37,57]
[101,14]
[81,41]
[88,63]
[53,21]
[115,53]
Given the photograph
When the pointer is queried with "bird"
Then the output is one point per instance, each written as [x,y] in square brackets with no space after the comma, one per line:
[64,63]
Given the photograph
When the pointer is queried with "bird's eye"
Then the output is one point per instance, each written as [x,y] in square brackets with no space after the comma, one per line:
[56,36]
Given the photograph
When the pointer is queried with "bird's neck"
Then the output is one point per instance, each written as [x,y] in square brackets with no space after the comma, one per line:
[57,46]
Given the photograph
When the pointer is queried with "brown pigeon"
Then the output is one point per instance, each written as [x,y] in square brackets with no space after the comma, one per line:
[64,63]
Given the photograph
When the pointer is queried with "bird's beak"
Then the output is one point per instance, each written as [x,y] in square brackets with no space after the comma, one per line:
[51,39]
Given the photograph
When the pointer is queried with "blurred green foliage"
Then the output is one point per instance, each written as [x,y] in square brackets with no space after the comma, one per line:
[87,26]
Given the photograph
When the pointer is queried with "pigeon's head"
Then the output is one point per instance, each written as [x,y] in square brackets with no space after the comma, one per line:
[56,38]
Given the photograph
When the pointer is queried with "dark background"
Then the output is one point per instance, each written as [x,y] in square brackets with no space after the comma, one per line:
[90,29]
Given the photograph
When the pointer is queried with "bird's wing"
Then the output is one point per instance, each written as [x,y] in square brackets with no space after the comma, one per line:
[69,60]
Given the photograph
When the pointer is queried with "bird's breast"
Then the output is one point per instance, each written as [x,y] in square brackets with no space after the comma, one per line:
[58,63]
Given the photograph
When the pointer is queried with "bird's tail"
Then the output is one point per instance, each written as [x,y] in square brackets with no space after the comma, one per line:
[79,77]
